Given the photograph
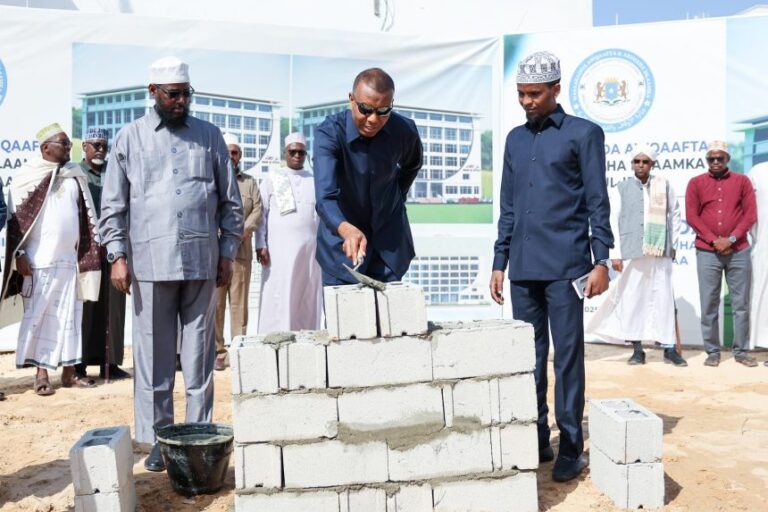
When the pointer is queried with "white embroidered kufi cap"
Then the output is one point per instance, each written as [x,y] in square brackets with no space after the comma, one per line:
[231,138]
[169,70]
[718,145]
[48,132]
[295,137]
[538,68]
[646,150]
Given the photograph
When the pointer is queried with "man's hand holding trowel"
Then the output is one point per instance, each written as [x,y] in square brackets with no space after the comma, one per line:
[354,248]
[355,242]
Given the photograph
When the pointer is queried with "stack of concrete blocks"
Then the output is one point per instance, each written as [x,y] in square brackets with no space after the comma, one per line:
[625,453]
[102,471]
[442,421]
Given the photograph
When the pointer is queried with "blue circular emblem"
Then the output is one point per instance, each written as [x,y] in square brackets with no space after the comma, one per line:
[614,88]
[3,82]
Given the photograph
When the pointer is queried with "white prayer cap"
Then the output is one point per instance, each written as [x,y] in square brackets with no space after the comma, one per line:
[538,68]
[295,137]
[646,150]
[48,132]
[718,145]
[169,70]
[96,134]
[231,138]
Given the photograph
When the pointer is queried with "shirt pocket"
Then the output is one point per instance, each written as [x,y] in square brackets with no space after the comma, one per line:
[200,167]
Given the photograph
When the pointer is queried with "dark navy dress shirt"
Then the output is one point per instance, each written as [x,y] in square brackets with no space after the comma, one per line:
[552,191]
[365,181]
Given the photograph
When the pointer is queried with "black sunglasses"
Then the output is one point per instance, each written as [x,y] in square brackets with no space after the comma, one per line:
[187,93]
[643,161]
[98,145]
[711,159]
[299,152]
[368,110]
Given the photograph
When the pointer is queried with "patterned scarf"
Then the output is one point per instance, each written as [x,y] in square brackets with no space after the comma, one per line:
[283,191]
[655,222]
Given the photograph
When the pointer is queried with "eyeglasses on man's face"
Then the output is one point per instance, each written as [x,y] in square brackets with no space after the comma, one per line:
[638,161]
[63,143]
[367,110]
[712,159]
[98,146]
[297,152]
[174,94]
[234,152]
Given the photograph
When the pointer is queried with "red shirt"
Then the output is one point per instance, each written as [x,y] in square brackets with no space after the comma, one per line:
[718,207]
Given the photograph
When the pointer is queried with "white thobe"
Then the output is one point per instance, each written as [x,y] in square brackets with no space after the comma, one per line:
[291,286]
[49,335]
[758,315]
[640,306]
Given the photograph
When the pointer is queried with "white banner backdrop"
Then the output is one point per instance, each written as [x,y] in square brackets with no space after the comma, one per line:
[660,84]
[86,69]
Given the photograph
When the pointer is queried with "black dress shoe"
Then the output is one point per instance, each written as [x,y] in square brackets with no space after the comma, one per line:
[546,454]
[638,357]
[567,468]
[115,373]
[154,461]
[672,357]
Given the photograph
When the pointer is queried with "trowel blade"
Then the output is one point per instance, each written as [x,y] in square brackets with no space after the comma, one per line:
[365,280]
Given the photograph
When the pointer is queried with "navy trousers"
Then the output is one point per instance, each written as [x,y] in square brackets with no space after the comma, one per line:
[555,306]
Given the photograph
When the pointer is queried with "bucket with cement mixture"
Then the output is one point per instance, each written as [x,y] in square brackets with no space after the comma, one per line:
[196,456]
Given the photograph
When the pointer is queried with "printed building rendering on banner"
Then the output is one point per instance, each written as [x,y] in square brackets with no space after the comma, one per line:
[250,119]
[450,170]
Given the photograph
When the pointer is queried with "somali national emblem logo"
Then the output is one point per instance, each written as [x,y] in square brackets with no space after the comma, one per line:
[3,82]
[614,88]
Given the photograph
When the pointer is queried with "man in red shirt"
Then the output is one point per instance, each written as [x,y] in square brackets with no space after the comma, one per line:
[720,207]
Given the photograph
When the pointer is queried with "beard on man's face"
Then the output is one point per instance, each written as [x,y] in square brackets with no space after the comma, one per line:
[171,117]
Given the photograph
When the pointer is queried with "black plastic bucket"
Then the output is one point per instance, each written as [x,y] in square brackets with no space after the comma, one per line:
[196,456]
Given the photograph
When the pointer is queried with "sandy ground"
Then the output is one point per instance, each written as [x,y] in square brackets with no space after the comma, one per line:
[715,436]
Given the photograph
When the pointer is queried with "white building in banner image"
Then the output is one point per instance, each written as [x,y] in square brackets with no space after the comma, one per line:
[255,122]
[451,169]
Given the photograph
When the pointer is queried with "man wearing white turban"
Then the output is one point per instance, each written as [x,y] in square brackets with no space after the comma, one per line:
[291,289]
[645,215]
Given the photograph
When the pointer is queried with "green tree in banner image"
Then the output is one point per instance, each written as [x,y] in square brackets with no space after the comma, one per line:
[77,123]
[486,163]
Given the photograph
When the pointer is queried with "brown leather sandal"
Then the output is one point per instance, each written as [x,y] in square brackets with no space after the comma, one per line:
[43,386]
[70,378]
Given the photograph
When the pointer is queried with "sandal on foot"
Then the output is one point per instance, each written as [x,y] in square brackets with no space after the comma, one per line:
[70,378]
[43,386]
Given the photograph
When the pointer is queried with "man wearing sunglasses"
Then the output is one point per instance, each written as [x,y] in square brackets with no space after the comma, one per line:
[552,192]
[286,242]
[645,218]
[108,313]
[365,160]
[720,207]
[172,221]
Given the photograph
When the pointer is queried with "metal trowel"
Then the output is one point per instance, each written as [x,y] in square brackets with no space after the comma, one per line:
[364,279]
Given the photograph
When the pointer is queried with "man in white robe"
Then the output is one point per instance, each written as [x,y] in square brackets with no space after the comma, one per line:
[291,289]
[53,256]
[645,215]
[759,307]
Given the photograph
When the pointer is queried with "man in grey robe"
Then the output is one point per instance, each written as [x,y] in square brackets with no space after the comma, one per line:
[172,219]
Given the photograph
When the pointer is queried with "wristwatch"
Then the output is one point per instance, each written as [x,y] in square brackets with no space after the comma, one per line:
[732,239]
[19,253]
[114,256]
[605,263]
